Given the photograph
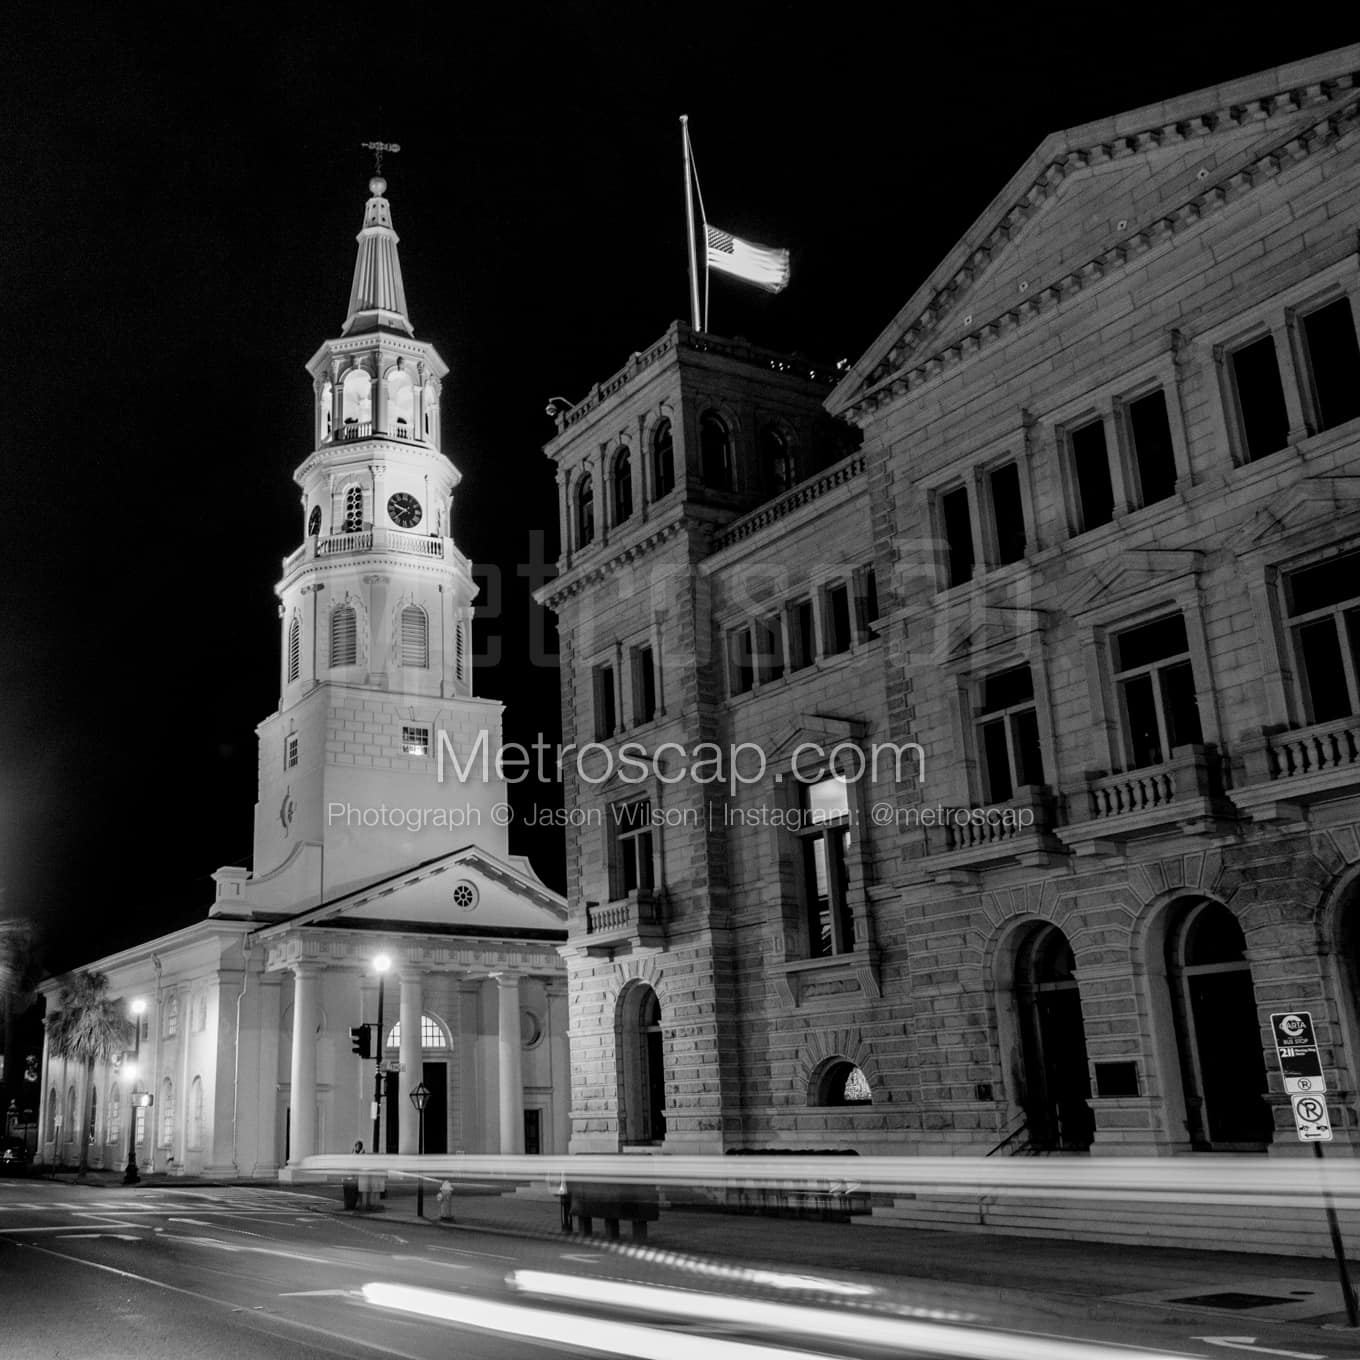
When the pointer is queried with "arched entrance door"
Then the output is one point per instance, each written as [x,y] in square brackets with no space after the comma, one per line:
[1217,1030]
[1056,1078]
[435,1052]
[642,1071]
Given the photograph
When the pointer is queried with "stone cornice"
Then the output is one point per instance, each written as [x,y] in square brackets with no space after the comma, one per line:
[814,488]
[381,340]
[576,579]
[342,949]
[907,367]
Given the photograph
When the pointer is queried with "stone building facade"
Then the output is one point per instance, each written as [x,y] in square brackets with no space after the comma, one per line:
[382,890]
[1092,578]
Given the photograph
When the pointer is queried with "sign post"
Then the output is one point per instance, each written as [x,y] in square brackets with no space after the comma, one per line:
[1297,1050]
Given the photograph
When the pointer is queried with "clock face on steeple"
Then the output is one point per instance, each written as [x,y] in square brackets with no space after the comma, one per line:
[403,510]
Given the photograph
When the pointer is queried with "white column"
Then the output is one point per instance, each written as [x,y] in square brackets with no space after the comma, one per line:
[302,1086]
[511,1077]
[560,1058]
[412,1004]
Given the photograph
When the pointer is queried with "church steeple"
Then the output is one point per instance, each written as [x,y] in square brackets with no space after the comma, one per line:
[377,299]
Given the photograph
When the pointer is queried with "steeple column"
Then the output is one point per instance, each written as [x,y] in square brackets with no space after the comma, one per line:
[511,1073]
[379,492]
[409,1055]
[377,623]
[302,1080]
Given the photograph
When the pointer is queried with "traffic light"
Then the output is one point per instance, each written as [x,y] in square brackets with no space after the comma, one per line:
[361,1040]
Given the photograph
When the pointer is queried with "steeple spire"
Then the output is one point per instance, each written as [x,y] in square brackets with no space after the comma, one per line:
[377,299]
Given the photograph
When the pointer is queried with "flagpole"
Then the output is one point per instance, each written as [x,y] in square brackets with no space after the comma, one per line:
[689,225]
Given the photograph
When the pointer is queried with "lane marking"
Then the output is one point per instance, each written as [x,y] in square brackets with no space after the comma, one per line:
[241,1246]
[467,1251]
[1248,1343]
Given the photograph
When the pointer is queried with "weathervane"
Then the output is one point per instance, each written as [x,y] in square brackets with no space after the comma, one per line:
[377,148]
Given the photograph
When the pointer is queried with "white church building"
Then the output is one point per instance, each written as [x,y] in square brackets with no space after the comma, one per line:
[363,856]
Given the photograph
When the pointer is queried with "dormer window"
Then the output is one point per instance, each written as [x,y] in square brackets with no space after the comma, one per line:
[585,513]
[354,510]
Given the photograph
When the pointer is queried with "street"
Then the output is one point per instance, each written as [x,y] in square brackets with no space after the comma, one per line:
[259,1271]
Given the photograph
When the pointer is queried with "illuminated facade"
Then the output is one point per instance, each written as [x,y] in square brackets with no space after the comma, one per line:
[1098,558]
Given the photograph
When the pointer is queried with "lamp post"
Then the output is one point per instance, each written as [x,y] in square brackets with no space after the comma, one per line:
[138,1009]
[380,966]
[420,1098]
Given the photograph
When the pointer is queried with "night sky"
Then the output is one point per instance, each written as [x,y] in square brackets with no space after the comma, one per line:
[182,190]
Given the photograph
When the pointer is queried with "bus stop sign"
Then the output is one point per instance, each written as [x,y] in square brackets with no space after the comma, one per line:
[1296,1047]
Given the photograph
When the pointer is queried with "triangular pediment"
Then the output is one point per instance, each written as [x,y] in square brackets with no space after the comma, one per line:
[1135,572]
[1309,501]
[470,891]
[1091,200]
[995,626]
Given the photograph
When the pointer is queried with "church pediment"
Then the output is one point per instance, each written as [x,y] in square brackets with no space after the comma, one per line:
[1089,202]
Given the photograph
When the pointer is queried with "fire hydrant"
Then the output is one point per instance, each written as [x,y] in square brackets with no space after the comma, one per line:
[445,1198]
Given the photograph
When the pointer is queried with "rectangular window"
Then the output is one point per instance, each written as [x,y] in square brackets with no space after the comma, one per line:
[802,635]
[741,672]
[1323,603]
[1333,360]
[1008,513]
[139,1119]
[838,636]
[1091,471]
[606,703]
[1008,734]
[290,751]
[769,649]
[630,859]
[957,522]
[866,602]
[644,685]
[826,844]
[415,741]
[1154,459]
[1263,421]
[1156,685]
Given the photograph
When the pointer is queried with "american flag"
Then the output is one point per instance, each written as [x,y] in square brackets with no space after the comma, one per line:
[766,268]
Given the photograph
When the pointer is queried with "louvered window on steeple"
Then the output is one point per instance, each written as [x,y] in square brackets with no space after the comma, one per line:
[344,636]
[354,510]
[458,646]
[415,637]
[294,650]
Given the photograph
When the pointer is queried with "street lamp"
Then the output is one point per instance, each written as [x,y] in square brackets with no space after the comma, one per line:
[420,1098]
[138,1009]
[381,964]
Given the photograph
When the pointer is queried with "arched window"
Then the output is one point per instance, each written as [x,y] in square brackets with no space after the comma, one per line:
[167,1112]
[51,1130]
[415,637]
[196,1113]
[70,1126]
[429,405]
[777,459]
[585,512]
[326,423]
[294,650]
[459,653]
[400,404]
[170,1016]
[358,404]
[623,486]
[841,1083]
[344,636]
[431,1035]
[354,510]
[94,1111]
[663,460]
[114,1132]
[640,1047]
[715,452]
[314,522]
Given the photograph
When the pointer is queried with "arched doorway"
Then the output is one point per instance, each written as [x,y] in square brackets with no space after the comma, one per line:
[1055,1078]
[435,1052]
[642,1072]
[1218,1036]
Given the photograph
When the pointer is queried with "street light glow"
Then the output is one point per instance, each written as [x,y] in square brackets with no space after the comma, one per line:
[382,963]
[130,1072]
[138,1006]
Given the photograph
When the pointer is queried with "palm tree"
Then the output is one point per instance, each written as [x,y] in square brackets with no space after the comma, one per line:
[89,1027]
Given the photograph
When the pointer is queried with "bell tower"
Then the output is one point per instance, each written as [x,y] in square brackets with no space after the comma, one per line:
[375,614]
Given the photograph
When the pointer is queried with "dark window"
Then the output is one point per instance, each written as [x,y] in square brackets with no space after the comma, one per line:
[830,921]
[777,458]
[585,513]
[1324,616]
[623,487]
[1333,363]
[768,650]
[644,685]
[1008,733]
[741,674]
[314,522]
[715,453]
[1156,685]
[631,858]
[838,635]
[866,602]
[1091,465]
[1154,459]
[958,534]
[606,703]
[802,635]
[663,459]
[1008,513]
[1264,422]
